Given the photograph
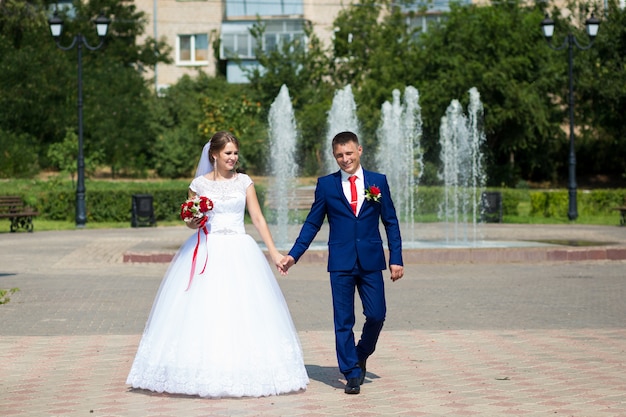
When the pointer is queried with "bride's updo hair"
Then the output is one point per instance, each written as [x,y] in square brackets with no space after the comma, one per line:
[219,141]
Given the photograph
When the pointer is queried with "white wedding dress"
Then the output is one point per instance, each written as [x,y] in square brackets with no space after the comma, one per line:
[230,334]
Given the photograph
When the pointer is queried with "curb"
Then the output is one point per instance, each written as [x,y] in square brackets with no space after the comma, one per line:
[450,256]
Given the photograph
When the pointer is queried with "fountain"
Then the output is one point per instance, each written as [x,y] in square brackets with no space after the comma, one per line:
[282,137]
[341,117]
[462,169]
[399,153]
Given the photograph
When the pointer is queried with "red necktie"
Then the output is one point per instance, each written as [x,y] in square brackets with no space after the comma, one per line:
[353,196]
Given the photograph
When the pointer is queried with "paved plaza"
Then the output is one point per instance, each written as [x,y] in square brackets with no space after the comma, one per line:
[533,327]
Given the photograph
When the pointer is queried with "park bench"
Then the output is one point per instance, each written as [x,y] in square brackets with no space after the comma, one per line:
[622,212]
[18,213]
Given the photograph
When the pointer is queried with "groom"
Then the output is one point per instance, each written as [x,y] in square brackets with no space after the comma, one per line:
[354,201]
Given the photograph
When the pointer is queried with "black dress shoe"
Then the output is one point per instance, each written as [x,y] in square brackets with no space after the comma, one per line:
[353,386]
[363,372]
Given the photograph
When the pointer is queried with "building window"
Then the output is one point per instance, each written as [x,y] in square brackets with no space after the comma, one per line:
[237,42]
[263,8]
[422,22]
[64,7]
[193,49]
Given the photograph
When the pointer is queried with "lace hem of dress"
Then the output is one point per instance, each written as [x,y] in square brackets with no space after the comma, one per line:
[282,374]
[161,379]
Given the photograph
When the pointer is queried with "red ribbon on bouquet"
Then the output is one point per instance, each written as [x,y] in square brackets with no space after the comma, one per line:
[195,253]
[194,207]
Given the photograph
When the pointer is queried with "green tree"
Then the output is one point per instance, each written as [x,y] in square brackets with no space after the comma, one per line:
[190,111]
[303,68]
[34,80]
[376,52]
[241,116]
[38,82]
[601,99]
[500,51]
[116,95]
[18,155]
[63,156]
[175,117]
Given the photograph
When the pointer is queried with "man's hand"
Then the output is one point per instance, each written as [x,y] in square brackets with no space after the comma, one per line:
[397,272]
[286,263]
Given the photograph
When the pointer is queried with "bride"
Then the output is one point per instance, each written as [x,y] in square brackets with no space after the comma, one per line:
[219,325]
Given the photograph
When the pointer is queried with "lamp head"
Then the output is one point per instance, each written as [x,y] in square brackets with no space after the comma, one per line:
[56,25]
[102,25]
[593,25]
[547,26]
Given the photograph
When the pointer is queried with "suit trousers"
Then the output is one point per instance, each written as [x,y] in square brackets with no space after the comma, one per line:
[371,290]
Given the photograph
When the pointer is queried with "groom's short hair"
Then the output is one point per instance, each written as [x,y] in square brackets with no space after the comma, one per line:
[345,137]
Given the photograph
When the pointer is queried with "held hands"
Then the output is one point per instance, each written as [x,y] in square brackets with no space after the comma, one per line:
[282,263]
[285,263]
[397,272]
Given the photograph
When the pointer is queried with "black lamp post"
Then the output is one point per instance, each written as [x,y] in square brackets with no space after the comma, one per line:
[56,28]
[547,25]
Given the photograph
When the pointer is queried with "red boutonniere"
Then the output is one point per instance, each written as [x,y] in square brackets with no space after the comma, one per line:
[373,194]
[196,207]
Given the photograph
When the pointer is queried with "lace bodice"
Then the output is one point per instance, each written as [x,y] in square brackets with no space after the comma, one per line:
[229,202]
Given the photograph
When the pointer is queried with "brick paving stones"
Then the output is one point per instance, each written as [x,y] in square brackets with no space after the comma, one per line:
[493,338]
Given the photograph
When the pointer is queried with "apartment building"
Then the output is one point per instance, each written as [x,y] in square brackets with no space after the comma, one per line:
[191,27]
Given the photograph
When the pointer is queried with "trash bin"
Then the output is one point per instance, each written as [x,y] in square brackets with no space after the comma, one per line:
[142,211]
[491,207]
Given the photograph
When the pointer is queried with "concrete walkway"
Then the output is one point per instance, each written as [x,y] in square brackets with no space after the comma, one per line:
[495,334]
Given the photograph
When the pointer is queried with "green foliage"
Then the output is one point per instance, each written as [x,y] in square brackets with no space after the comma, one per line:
[18,155]
[33,102]
[190,112]
[107,201]
[175,116]
[312,123]
[63,155]
[301,67]
[116,206]
[173,148]
[376,52]
[497,48]
[5,294]
[304,70]
[42,103]
[428,199]
[500,51]
[240,116]
[110,202]
[554,204]
[511,200]
[116,125]
[601,99]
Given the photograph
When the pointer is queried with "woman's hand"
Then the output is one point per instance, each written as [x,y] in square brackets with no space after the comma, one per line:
[195,223]
[278,258]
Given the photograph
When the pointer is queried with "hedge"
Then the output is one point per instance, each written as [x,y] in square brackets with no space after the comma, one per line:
[590,202]
[112,202]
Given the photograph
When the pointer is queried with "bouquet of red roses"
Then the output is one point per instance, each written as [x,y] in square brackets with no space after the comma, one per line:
[196,208]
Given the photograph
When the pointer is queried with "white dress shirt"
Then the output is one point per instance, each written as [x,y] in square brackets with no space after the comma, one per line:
[360,187]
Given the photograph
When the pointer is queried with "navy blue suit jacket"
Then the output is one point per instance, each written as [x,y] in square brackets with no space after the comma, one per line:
[352,238]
